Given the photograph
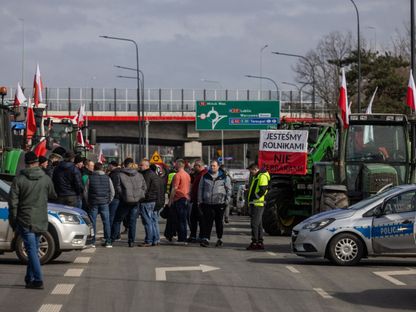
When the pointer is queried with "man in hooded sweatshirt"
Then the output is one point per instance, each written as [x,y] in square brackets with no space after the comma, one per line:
[132,190]
[28,213]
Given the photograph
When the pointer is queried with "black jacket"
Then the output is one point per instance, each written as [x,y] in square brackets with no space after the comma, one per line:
[153,186]
[67,179]
[115,178]
[99,190]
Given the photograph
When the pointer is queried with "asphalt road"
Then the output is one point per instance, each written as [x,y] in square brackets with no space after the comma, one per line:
[124,279]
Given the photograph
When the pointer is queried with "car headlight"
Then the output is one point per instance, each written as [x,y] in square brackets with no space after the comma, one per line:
[68,218]
[318,225]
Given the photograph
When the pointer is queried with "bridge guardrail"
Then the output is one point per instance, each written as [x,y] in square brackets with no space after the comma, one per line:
[160,100]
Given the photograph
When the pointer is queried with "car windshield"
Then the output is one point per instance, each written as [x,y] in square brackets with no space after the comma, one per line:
[372,199]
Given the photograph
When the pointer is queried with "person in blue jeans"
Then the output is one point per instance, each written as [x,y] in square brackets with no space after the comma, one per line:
[114,175]
[132,190]
[28,213]
[148,209]
[99,192]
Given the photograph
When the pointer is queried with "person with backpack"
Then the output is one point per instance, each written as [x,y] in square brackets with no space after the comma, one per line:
[132,190]
[214,194]
[256,199]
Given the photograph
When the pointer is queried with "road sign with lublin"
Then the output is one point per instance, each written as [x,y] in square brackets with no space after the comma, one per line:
[237,115]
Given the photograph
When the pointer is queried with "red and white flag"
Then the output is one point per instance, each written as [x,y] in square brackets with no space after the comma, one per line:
[19,97]
[101,157]
[80,116]
[30,122]
[80,138]
[411,93]
[37,88]
[343,100]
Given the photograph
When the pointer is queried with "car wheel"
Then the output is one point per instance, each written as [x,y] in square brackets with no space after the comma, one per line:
[346,249]
[46,248]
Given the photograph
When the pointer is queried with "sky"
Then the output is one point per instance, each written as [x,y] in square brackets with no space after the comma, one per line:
[182,43]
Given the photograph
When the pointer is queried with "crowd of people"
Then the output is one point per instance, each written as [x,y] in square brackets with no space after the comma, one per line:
[194,197]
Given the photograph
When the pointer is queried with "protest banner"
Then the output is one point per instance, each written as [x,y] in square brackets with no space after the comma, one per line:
[284,151]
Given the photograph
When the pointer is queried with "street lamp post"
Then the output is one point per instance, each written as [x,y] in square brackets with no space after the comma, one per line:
[359,57]
[269,79]
[140,107]
[313,75]
[147,123]
[261,66]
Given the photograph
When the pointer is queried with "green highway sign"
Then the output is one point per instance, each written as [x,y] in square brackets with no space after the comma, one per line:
[237,115]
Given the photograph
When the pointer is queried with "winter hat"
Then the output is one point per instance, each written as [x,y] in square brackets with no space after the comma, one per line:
[30,158]
[59,150]
[78,159]
[42,159]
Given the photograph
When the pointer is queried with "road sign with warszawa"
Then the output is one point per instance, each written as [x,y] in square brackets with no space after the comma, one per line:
[237,115]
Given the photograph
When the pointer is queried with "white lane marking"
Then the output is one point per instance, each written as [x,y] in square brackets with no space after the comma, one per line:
[74,272]
[272,253]
[161,272]
[292,269]
[395,281]
[83,260]
[62,289]
[89,250]
[323,293]
[50,308]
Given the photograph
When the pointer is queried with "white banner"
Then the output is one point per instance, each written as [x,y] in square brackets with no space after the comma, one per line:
[284,141]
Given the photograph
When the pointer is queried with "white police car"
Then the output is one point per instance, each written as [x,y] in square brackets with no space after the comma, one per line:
[68,229]
[383,224]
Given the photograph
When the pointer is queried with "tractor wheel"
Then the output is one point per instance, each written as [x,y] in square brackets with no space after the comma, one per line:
[332,200]
[275,218]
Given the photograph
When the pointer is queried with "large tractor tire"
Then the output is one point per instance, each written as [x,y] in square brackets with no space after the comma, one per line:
[275,220]
[333,200]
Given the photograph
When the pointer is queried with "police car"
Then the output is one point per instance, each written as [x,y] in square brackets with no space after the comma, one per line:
[382,225]
[68,229]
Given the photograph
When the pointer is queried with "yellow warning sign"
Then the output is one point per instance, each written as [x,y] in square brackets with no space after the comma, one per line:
[156,159]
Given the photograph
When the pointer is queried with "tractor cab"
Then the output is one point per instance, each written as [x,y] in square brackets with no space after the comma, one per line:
[376,153]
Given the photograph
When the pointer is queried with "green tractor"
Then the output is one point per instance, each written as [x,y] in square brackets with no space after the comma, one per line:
[290,197]
[375,152]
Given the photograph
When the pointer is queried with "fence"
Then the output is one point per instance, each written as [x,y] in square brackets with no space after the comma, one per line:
[170,100]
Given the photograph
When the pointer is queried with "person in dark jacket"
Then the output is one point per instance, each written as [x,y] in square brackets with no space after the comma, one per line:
[214,194]
[28,213]
[99,192]
[160,202]
[115,178]
[195,217]
[132,190]
[67,182]
[148,212]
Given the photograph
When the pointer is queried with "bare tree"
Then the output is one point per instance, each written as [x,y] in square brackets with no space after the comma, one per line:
[325,61]
[401,42]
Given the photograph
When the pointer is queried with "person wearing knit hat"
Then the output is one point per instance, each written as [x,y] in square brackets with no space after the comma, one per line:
[43,162]
[31,158]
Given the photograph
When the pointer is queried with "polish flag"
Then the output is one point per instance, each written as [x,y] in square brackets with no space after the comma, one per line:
[80,138]
[411,93]
[80,116]
[30,122]
[19,97]
[40,149]
[37,88]
[343,100]
[101,157]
